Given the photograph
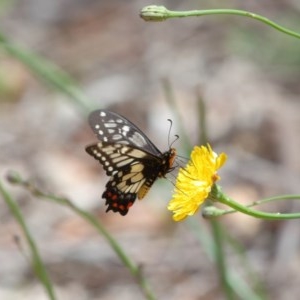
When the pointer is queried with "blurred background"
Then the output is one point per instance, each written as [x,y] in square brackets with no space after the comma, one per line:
[248,75]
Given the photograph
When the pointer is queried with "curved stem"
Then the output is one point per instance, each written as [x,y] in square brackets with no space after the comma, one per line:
[214,211]
[37,263]
[221,264]
[15,178]
[160,13]
[218,196]
[46,70]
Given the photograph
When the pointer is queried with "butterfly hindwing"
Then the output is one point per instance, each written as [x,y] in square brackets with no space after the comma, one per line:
[111,156]
[122,188]
[130,159]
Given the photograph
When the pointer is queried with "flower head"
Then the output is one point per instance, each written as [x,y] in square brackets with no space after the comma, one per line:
[194,182]
[154,13]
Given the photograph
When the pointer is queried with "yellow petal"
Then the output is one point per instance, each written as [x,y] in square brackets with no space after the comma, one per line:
[194,182]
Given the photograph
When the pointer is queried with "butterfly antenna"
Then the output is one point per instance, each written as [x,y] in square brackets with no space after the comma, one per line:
[169,133]
[176,135]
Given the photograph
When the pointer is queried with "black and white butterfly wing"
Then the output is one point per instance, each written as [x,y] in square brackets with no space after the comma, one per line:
[130,159]
[113,128]
[132,173]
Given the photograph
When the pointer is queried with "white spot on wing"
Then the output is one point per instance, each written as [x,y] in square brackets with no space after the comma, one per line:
[110,125]
[138,139]
[124,150]
[136,153]
[108,149]
[117,159]
[102,114]
[117,137]
[124,162]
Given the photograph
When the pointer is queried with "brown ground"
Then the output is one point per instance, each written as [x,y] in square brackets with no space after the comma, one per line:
[248,75]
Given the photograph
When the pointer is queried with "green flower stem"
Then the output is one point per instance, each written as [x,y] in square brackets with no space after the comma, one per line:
[135,270]
[220,259]
[239,284]
[218,196]
[214,211]
[36,260]
[203,136]
[49,72]
[160,13]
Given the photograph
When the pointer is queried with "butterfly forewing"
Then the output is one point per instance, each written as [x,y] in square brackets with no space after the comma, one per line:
[130,159]
[113,128]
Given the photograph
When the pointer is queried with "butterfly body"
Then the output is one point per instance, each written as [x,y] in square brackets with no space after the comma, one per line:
[131,160]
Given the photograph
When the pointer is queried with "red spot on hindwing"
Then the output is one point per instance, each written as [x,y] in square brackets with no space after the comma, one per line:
[118,201]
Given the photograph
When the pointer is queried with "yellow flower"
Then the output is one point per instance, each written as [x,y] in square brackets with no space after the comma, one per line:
[194,182]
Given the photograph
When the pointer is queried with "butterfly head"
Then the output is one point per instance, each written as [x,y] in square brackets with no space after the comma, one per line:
[168,161]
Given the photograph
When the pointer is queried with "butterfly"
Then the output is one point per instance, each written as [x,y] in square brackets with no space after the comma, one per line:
[127,155]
